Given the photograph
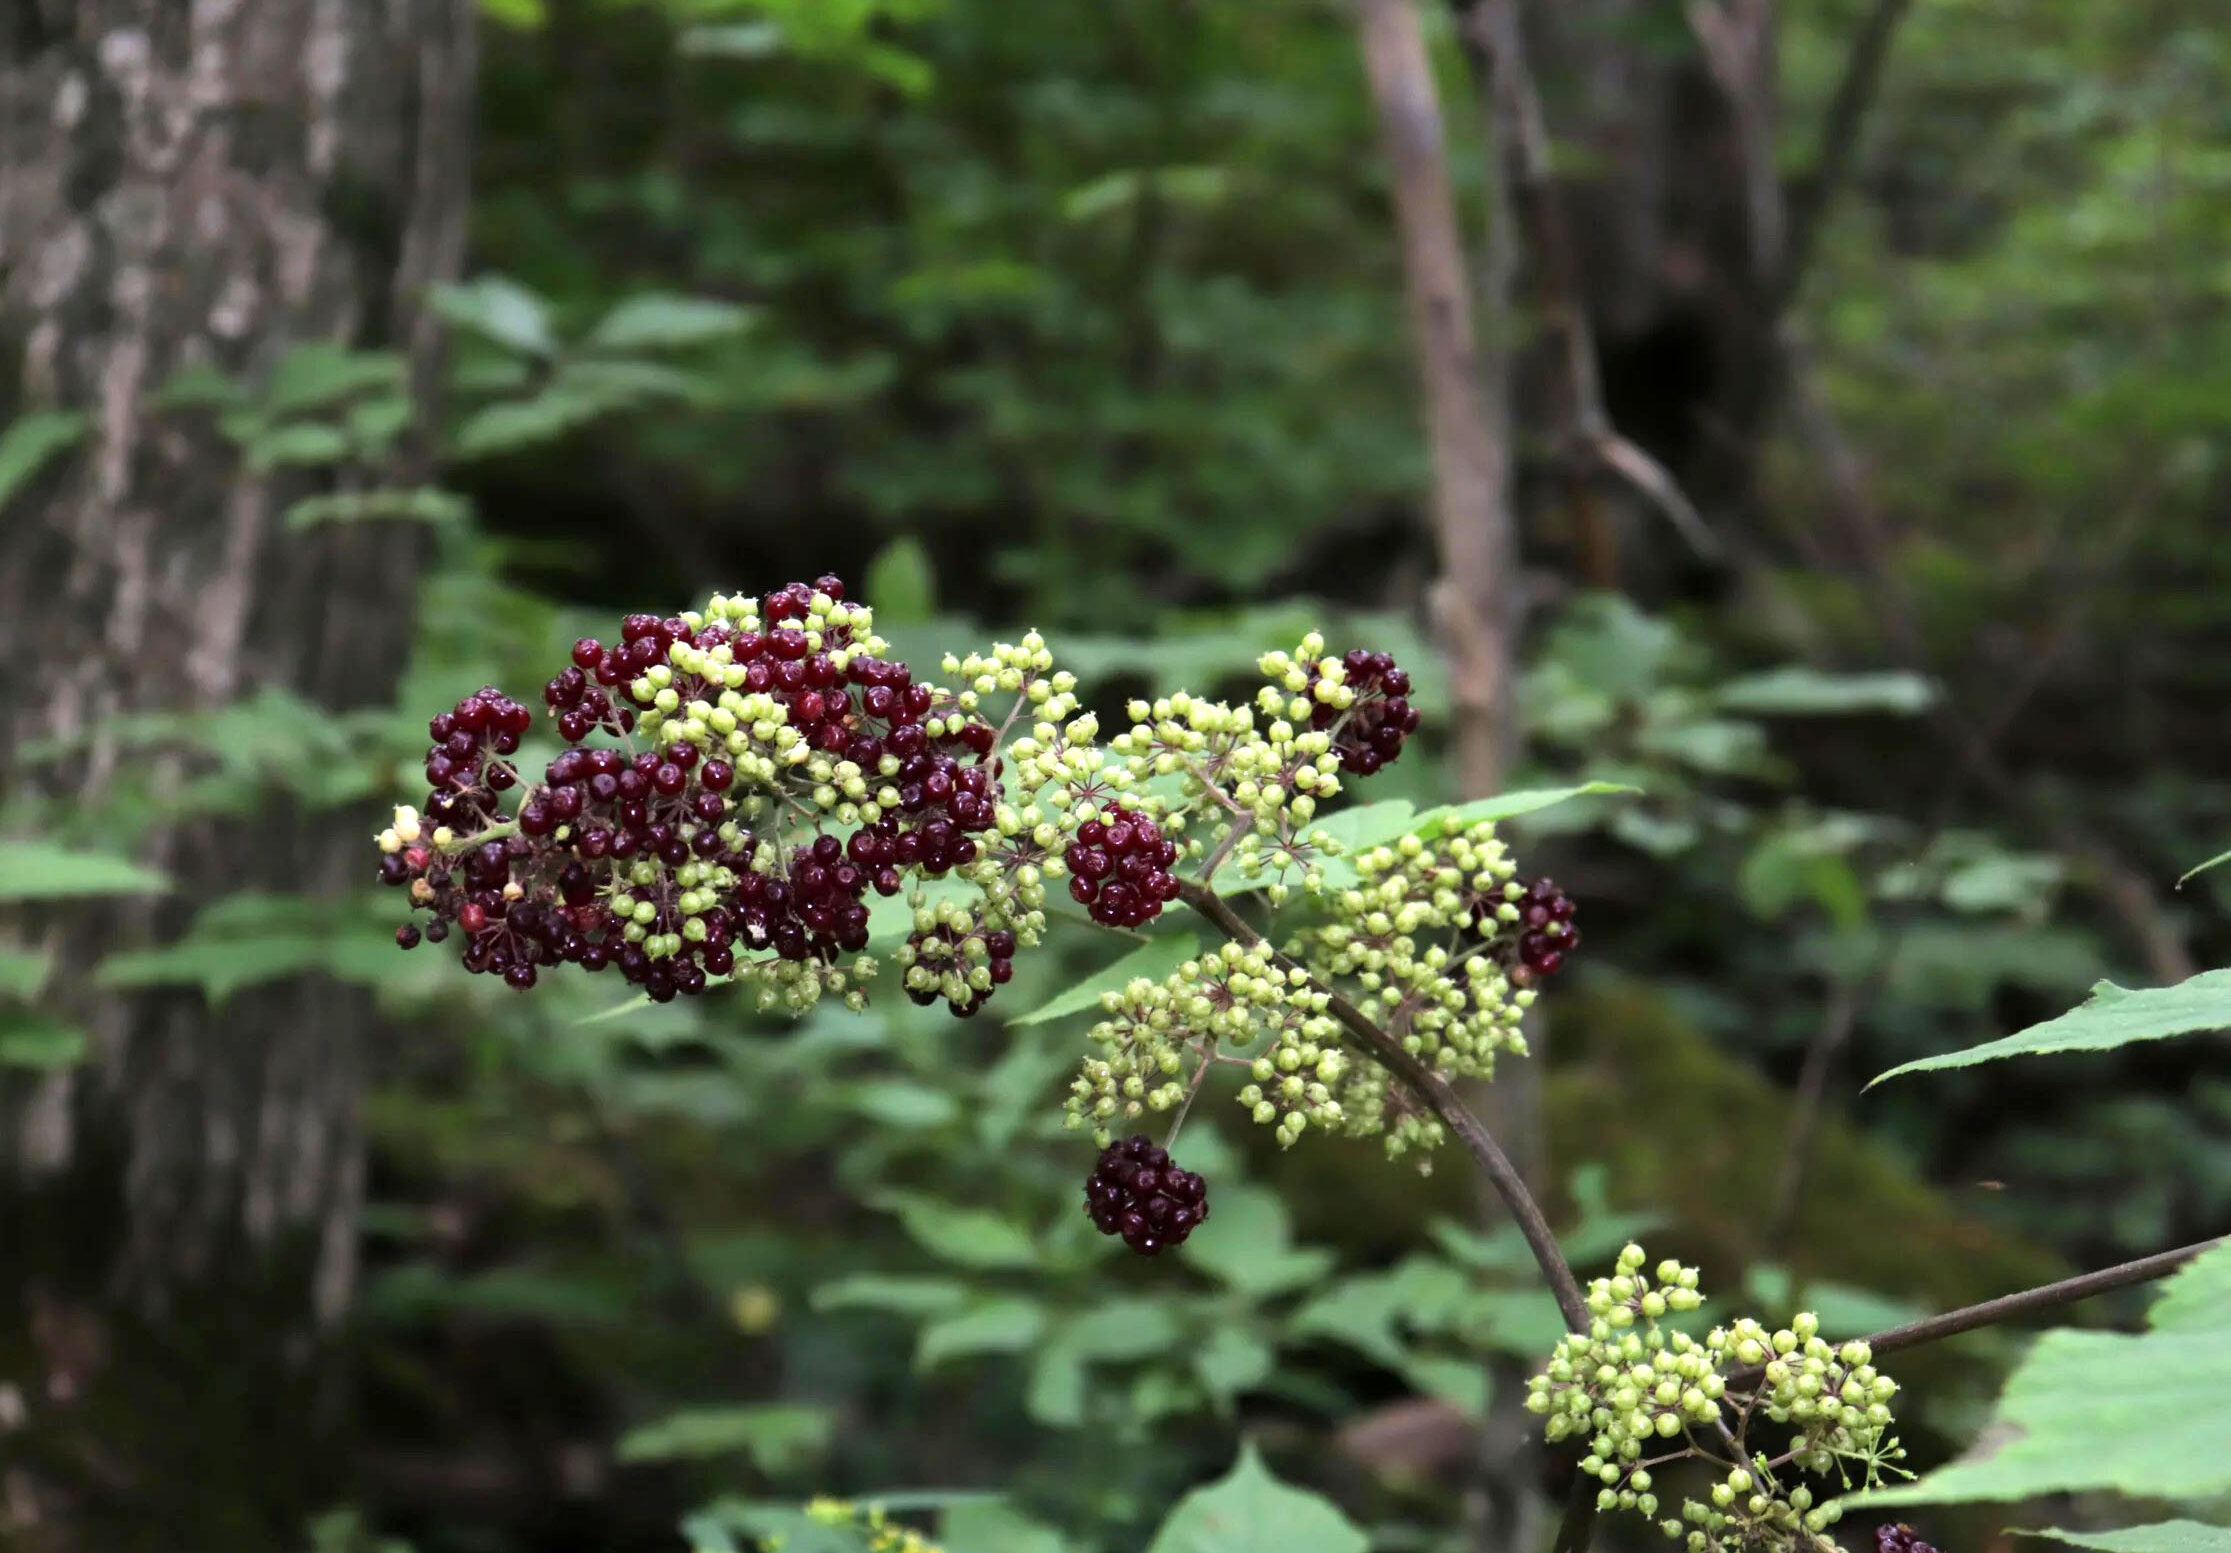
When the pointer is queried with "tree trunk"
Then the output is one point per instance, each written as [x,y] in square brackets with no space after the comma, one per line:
[204,184]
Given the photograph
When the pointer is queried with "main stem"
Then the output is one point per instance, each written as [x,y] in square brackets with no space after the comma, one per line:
[1439,1098]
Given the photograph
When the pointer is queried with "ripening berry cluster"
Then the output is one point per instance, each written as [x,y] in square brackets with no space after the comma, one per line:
[1137,1191]
[1898,1537]
[1235,1002]
[1644,1394]
[1374,718]
[735,784]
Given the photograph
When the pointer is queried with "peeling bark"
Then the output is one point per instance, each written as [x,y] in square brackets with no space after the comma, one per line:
[194,182]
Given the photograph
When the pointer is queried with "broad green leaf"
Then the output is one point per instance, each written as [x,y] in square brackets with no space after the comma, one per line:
[900,1103]
[304,443]
[663,321]
[1122,1329]
[2143,1414]
[968,1236]
[319,373]
[1462,1383]
[22,972]
[1232,1361]
[992,1527]
[901,584]
[1506,806]
[901,1294]
[2115,1016]
[1056,1394]
[30,440]
[1247,1245]
[2165,1537]
[29,1040]
[741,40]
[1006,1324]
[1249,1511]
[42,871]
[777,1436]
[422,504]
[1152,960]
[500,309]
[219,965]
[1801,691]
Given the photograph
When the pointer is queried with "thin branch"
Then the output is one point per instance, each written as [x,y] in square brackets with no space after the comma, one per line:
[1439,1098]
[1839,140]
[2049,1296]
[1491,28]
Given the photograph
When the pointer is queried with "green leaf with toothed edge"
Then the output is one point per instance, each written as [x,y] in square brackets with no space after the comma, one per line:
[1249,1511]
[1509,806]
[2163,1537]
[2115,1016]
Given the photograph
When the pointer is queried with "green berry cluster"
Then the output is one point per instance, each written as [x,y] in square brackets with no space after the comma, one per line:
[1646,1395]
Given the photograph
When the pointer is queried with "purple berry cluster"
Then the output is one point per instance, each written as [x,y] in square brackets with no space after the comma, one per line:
[999,965]
[634,858]
[1546,934]
[1137,1192]
[1900,1538]
[1120,870]
[1369,733]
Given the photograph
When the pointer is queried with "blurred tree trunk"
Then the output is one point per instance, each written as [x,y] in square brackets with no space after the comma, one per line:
[203,184]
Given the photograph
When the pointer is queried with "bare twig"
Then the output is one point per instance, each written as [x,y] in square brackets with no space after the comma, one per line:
[1475,598]
[1491,28]
[1839,141]
[1439,1098]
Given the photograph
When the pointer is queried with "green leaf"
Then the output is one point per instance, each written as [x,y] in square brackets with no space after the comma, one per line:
[2165,1537]
[1006,1324]
[992,1527]
[42,871]
[901,1294]
[320,373]
[423,504]
[1462,1383]
[776,1436]
[2214,862]
[1231,1362]
[741,40]
[968,1236]
[1800,691]
[219,964]
[661,320]
[1125,1329]
[901,585]
[22,972]
[498,309]
[900,1103]
[29,1040]
[1151,961]
[2115,1016]
[1249,1511]
[1247,1245]
[30,441]
[1056,1394]
[1506,806]
[2140,1414]
[303,443]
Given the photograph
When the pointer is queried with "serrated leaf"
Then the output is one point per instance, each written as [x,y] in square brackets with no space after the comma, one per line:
[2164,1537]
[22,972]
[29,1040]
[900,584]
[498,309]
[968,1236]
[30,440]
[42,871]
[661,320]
[1006,1324]
[1249,1511]
[1507,806]
[2115,1016]
[1800,691]
[2141,1414]
[899,1294]
[776,1436]
[1152,960]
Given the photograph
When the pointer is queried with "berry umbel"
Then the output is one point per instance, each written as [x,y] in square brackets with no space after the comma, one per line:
[1900,1538]
[1137,1191]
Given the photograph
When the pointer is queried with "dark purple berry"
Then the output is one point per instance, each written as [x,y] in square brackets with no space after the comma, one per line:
[1137,1191]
